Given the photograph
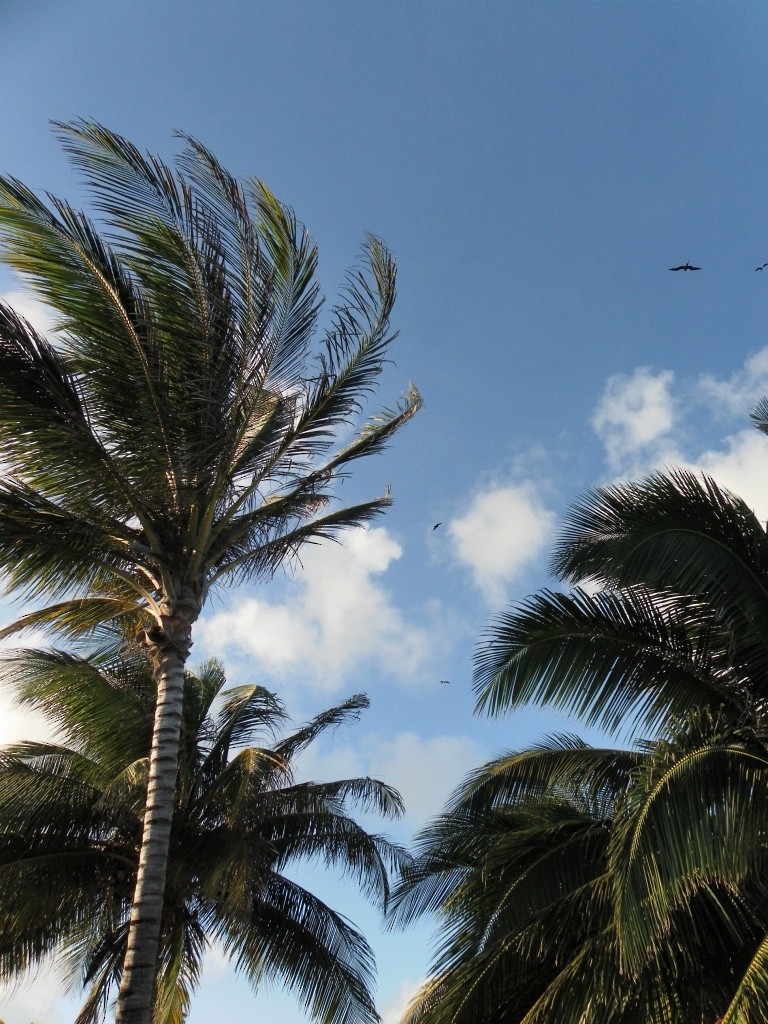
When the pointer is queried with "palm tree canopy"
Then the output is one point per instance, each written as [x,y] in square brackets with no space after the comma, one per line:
[180,427]
[518,870]
[680,620]
[70,829]
[674,640]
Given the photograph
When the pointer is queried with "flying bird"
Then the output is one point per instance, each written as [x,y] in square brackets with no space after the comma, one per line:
[446,682]
[685,266]
[760,268]
[436,526]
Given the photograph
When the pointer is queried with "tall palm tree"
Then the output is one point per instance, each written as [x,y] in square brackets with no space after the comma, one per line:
[70,835]
[676,640]
[178,433]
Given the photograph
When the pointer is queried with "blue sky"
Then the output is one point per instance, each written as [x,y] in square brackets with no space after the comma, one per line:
[536,168]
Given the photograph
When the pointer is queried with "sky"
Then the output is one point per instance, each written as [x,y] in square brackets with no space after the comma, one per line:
[536,168]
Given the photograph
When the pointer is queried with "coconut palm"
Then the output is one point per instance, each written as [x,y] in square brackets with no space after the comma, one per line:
[514,869]
[675,640]
[71,825]
[518,870]
[179,432]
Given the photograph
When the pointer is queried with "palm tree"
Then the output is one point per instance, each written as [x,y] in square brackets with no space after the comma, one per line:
[71,825]
[514,869]
[179,431]
[675,639]
[518,870]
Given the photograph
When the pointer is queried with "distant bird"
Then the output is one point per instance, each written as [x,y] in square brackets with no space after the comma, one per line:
[760,268]
[446,682]
[685,266]
[436,526]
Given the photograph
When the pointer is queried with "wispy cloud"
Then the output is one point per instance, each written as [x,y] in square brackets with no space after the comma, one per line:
[40,996]
[424,769]
[736,395]
[392,1012]
[31,308]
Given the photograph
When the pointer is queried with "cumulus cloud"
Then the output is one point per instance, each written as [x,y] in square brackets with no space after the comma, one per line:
[635,416]
[338,617]
[505,529]
[638,412]
[741,466]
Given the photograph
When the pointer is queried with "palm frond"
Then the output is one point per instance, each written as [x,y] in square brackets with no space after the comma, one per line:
[613,659]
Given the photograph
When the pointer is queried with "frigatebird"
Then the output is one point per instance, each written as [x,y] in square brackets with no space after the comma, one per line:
[685,266]
[760,268]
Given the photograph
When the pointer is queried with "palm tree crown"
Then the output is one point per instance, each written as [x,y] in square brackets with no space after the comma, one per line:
[179,431]
[674,639]
[70,832]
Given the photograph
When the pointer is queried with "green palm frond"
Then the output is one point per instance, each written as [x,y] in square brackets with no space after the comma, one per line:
[698,821]
[314,951]
[759,415]
[348,711]
[750,999]
[680,532]
[613,659]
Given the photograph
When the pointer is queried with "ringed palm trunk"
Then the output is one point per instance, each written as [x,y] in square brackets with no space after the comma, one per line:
[135,1003]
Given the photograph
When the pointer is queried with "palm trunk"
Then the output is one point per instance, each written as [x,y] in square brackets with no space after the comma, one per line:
[135,1002]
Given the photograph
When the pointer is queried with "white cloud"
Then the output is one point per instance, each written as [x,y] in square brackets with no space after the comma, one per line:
[31,308]
[393,1010]
[40,996]
[741,466]
[635,416]
[339,618]
[18,722]
[637,413]
[737,395]
[505,529]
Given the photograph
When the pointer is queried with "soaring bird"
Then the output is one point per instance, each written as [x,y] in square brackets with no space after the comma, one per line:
[436,526]
[685,266]
[760,268]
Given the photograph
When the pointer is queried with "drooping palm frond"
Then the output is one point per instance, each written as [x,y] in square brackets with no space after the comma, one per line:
[695,822]
[518,870]
[515,870]
[680,532]
[612,658]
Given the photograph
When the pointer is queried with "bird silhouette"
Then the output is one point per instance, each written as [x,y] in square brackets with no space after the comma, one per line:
[436,526]
[760,268]
[445,682]
[685,266]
